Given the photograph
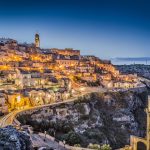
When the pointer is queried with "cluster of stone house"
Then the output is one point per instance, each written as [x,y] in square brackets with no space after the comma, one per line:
[32,73]
[19,100]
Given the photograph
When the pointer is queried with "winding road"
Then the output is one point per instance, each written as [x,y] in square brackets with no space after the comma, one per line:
[9,118]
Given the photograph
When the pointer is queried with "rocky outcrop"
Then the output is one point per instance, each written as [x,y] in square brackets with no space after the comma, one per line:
[11,139]
[97,118]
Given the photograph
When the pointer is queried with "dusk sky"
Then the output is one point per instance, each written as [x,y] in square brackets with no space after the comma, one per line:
[105,28]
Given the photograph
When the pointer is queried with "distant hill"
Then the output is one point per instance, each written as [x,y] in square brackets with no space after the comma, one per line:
[132,58]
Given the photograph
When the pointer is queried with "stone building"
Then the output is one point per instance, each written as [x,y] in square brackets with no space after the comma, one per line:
[3,104]
[17,101]
[67,51]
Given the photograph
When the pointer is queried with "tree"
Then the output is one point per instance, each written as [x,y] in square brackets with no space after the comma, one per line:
[72,138]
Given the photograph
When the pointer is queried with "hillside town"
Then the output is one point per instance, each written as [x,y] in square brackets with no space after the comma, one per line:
[32,76]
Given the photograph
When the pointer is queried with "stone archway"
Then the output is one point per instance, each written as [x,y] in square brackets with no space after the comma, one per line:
[141,146]
[138,143]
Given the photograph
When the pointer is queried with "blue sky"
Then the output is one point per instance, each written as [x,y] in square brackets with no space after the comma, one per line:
[105,28]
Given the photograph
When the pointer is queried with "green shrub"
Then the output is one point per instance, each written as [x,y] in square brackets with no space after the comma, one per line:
[106,147]
[72,138]
[94,146]
[77,145]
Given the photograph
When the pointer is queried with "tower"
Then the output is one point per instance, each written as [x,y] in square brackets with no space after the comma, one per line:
[37,40]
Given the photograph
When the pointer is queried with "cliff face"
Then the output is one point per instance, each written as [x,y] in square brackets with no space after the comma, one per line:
[97,118]
[11,139]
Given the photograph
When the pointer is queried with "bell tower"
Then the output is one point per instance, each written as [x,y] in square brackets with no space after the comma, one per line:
[37,40]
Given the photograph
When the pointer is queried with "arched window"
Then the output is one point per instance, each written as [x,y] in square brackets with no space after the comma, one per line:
[141,146]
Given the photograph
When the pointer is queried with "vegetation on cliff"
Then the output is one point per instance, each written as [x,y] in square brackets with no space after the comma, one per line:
[96,118]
